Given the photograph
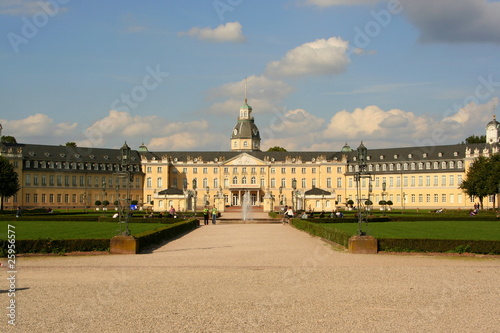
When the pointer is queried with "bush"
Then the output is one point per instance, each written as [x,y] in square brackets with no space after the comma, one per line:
[439,245]
[48,245]
[334,235]
[97,203]
[148,238]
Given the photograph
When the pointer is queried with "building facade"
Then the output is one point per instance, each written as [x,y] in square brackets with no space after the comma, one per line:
[425,177]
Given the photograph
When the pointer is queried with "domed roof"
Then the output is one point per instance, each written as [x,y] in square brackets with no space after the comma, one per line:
[245,130]
[494,123]
[246,106]
[346,148]
[142,148]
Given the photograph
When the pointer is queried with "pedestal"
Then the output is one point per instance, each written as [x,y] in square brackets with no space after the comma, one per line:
[123,245]
[363,245]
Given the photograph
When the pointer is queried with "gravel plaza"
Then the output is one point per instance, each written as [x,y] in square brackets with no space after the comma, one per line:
[254,278]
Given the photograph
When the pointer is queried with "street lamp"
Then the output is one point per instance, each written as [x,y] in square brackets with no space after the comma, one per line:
[207,202]
[362,174]
[281,195]
[384,186]
[195,182]
[294,194]
[125,152]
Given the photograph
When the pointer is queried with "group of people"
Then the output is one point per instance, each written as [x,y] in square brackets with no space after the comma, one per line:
[207,211]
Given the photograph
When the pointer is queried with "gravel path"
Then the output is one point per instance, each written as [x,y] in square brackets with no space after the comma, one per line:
[254,278]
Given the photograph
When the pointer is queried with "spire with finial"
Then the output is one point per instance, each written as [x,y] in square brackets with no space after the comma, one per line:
[245,90]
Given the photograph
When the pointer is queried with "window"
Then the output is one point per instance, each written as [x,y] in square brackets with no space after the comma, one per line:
[293,170]
[216,182]
[452,180]
[35,180]
[254,170]
[73,181]
[253,180]
[262,170]
[27,200]
[195,170]
[235,180]
[339,182]
[339,198]
[159,169]
[44,198]
[436,180]
[148,198]
[159,183]
[350,182]
[427,198]
[405,181]
[244,180]
[44,180]
[216,170]
[205,170]
[226,182]
[413,198]
[459,198]
[452,198]
[273,183]
[420,181]
[149,169]
[443,198]
[51,198]
[452,165]
[66,180]
[59,181]
[391,181]
[436,197]
[443,165]
[420,198]
[244,170]
[149,182]
[66,198]
[304,183]
[443,180]
[273,171]
[27,180]
[313,182]
[313,170]
[303,170]
[427,180]
[459,180]
[412,180]
[328,182]
[185,170]
[460,164]
[205,182]
[339,169]
[328,169]
[283,170]
[283,182]
[262,182]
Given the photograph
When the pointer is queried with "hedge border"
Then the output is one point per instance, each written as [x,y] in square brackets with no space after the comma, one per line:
[334,235]
[148,238]
[48,245]
[438,245]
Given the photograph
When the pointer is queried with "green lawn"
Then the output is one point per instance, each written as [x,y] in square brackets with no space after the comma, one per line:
[70,230]
[469,230]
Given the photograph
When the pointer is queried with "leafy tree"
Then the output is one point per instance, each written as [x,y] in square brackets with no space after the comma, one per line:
[97,203]
[70,144]
[475,139]
[482,178]
[9,183]
[8,139]
[276,148]
[105,203]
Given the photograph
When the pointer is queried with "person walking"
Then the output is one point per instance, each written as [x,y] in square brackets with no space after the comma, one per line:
[288,214]
[205,215]
[214,215]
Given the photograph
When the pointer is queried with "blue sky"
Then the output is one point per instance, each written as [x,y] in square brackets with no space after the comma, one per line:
[320,73]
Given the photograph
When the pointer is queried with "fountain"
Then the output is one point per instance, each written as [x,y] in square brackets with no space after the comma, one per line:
[245,206]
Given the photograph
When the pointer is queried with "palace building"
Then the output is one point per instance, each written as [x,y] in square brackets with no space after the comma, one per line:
[426,177]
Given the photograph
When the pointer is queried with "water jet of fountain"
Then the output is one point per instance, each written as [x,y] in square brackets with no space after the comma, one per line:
[246,206]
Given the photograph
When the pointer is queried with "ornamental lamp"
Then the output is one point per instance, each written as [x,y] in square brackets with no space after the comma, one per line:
[362,154]
[125,153]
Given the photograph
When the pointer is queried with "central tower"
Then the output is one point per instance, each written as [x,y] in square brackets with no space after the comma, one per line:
[245,136]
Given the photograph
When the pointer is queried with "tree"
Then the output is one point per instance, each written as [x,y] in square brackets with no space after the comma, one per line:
[475,139]
[98,203]
[70,144]
[9,183]
[8,139]
[276,148]
[482,178]
[105,203]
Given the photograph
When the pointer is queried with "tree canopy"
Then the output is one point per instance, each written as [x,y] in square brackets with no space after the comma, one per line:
[8,139]
[482,178]
[276,148]
[475,139]
[70,144]
[9,183]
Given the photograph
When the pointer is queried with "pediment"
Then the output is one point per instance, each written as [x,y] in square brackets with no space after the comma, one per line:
[245,159]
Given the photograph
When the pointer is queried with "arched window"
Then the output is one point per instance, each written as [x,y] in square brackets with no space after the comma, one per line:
[235,180]
[159,183]
[244,180]
[253,180]
[149,182]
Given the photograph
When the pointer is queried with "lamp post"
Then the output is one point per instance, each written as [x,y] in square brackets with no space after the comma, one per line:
[207,202]
[281,195]
[103,196]
[195,195]
[362,174]
[294,194]
[125,172]
[384,186]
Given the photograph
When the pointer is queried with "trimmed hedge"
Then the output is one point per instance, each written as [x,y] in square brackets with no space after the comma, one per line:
[334,235]
[439,245]
[346,220]
[148,238]
[48,245]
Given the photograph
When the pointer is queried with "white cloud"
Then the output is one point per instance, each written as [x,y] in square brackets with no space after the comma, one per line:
[25,8]
[321,57]
[229,32]
[329,3]
[455,21]
[34,127]
[263,94]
